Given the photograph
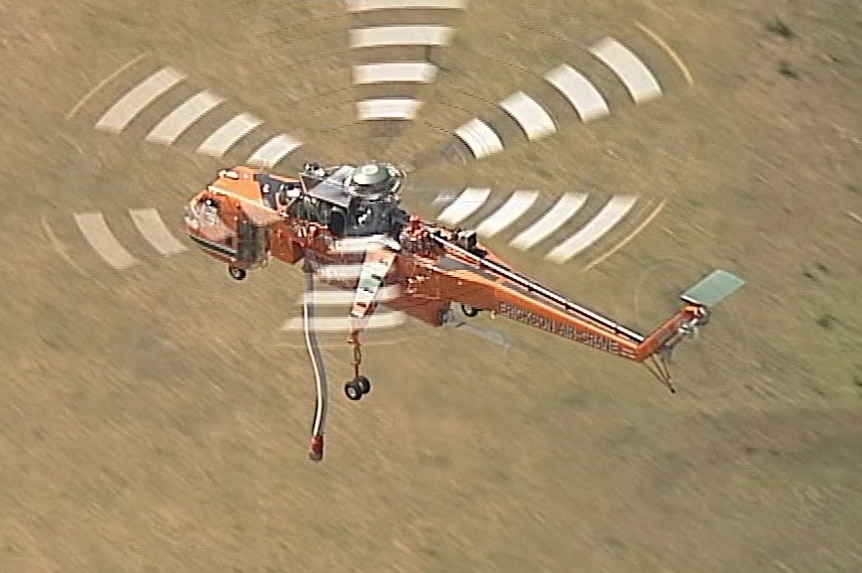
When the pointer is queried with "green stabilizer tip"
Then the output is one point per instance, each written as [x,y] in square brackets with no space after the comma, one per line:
[713,289]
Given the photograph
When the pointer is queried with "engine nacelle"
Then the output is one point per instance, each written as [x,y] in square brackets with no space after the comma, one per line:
[353,201]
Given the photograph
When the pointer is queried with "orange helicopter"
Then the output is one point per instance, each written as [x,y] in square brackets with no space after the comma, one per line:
[349,217]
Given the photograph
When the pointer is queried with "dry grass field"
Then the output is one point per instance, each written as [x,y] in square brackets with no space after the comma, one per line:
[156,419]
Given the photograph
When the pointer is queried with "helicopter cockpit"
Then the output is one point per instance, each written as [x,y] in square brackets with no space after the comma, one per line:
[352,201]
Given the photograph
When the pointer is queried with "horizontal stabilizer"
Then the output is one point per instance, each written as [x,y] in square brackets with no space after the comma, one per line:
[713,289]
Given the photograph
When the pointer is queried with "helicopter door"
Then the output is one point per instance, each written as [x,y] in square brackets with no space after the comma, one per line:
[251,241]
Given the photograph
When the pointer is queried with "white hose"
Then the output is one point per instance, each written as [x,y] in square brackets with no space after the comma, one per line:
[318,428]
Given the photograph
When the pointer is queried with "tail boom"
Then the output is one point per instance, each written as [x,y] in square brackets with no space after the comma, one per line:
[485,284]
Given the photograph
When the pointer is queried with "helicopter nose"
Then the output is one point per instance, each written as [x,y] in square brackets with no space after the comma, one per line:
[190,218]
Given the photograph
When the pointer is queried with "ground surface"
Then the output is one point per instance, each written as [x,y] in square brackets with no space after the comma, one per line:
[155,419]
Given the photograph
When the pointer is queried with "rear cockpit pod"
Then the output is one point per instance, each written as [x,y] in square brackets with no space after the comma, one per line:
[252,243]
[252,248]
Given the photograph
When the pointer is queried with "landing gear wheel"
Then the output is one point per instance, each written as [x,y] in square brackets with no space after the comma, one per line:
[469,310]
[236,273]
[364,384]
[353,391]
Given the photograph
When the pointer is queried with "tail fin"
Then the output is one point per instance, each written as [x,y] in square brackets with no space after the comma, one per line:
[700,299]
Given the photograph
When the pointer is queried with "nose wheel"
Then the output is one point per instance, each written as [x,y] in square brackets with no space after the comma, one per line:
[469,311]
[236,273]
[357,388]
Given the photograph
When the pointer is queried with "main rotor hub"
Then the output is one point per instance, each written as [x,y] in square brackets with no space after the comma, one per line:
[370,174]
[375,181]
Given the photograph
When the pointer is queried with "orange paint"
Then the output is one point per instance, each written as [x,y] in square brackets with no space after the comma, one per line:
[236,221]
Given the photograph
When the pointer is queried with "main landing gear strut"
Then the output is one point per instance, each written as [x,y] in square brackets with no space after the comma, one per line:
[355,389]
[360,385]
